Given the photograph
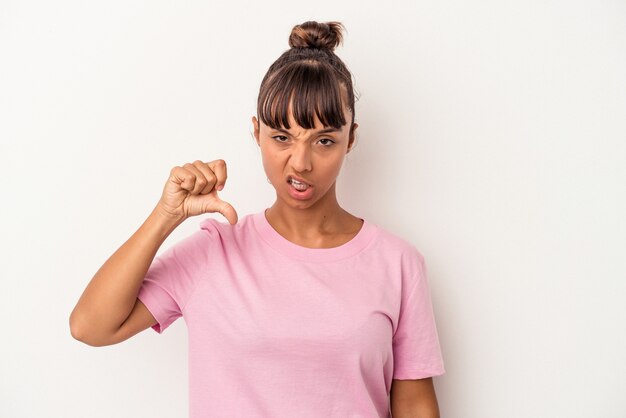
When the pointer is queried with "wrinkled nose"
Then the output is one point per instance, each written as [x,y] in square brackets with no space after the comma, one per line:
[301,158]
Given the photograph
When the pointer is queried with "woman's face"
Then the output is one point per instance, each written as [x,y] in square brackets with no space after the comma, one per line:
[314,155]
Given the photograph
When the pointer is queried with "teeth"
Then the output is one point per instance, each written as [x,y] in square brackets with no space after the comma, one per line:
[298,185]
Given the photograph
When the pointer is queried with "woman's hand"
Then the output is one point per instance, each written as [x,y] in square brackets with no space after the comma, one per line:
[192,190]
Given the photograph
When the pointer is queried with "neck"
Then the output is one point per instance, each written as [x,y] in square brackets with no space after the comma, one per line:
[325,216]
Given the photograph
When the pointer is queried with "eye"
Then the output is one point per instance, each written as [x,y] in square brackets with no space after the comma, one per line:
[283,139]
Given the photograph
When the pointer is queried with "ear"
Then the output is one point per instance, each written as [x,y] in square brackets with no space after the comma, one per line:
[255,122]
[352,136]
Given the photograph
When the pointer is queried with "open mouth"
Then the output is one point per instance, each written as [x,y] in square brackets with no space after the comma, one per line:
[297,184]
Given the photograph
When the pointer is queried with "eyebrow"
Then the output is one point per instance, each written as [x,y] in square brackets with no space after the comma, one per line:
[322,131]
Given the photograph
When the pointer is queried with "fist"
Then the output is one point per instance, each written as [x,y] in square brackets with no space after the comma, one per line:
[192,189]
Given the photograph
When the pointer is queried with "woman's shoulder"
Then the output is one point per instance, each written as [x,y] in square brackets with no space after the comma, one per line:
[396,243]
[222,228]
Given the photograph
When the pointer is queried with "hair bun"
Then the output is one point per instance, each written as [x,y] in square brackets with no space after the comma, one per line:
[313,34]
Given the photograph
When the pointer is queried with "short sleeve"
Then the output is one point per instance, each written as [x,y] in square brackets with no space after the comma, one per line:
[416,349]
[172,278]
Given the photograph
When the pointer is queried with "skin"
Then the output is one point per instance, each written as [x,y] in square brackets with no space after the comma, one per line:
[414,398]
[320,222]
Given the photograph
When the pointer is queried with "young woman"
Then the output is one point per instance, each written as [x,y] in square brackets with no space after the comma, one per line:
[300,310]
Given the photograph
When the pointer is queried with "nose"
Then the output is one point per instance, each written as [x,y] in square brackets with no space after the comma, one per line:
[301,157]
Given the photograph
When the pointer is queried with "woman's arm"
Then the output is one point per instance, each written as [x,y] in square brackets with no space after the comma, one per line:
[414,399]
[111,295]
[108,310]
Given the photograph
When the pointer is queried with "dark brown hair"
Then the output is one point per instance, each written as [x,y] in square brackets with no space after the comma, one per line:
[310,77]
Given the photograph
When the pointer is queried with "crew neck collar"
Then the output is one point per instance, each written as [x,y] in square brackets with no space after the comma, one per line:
[293,250]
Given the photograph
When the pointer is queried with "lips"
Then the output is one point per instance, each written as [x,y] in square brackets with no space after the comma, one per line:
[298,179]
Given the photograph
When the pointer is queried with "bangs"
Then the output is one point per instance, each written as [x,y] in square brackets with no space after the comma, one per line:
[311,90]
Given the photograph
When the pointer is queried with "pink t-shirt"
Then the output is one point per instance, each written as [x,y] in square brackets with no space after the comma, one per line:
[280,330]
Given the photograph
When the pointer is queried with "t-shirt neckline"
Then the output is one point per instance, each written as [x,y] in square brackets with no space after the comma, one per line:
[293,250]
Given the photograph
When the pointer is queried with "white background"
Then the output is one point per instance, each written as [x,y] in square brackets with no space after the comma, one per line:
[492,136]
